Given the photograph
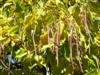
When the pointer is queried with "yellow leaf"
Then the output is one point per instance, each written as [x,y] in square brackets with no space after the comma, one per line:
[43,39]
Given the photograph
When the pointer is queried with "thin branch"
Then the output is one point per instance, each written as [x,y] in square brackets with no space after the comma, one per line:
[5,66]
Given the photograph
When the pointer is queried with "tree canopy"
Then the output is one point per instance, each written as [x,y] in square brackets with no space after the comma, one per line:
[62,33]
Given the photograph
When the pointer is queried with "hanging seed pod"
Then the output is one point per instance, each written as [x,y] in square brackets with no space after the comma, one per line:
[33,39]
[71,53]
[87,28]
[78,53]
[85,22]
[58,45]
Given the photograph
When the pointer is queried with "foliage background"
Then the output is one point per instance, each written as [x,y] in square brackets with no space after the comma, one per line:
[64,33]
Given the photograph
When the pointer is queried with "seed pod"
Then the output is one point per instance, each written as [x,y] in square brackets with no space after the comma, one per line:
[71,53]
[78,53]
[58,43]
[85,22]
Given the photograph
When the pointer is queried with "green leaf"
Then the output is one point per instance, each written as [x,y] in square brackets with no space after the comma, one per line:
[21,53]
[94,72]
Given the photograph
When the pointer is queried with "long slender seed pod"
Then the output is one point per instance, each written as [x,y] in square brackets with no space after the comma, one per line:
[87,28]
[58,43]
[33,39]
[78,52]
[85,23]
[71,54]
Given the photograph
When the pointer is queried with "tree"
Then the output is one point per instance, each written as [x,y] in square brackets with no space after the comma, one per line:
[61,33]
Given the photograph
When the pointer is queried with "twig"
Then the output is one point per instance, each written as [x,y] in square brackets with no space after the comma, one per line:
[5,66]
